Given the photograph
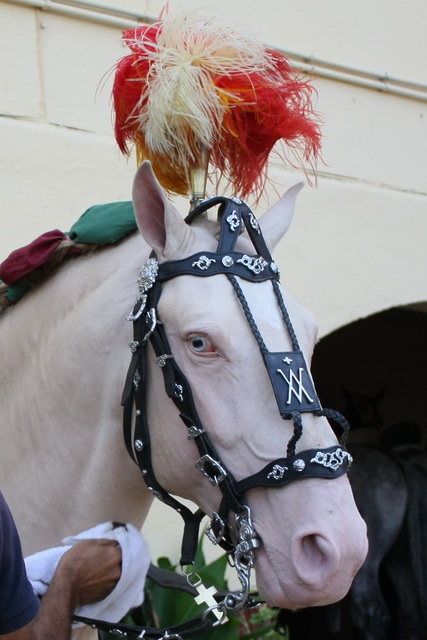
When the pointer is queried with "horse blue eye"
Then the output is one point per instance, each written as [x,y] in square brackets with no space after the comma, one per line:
[201,344]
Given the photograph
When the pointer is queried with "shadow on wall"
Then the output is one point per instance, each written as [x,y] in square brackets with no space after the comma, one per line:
[374,371]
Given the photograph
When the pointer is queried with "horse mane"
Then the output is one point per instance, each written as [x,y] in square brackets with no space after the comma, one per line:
[64,252]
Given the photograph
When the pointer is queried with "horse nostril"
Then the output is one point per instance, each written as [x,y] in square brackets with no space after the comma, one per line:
[311,547]
[317,558]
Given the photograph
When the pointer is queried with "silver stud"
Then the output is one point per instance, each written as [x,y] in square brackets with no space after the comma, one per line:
[139,445]
[194,431]
[137,412]
[136,379]
[155,493]
[133,346]
[274,267]
[299,465]
[179,392]
[227,261]
[161,360]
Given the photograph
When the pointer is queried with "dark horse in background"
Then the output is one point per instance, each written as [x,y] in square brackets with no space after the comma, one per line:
[388,597]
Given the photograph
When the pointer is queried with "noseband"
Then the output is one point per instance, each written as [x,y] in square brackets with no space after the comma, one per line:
[289,375]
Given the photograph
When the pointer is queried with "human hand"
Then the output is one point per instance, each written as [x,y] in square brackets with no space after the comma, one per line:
[93,567]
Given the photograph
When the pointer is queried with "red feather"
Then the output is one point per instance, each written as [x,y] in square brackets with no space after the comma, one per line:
[261,108]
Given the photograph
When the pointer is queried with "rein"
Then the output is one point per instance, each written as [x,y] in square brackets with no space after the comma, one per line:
[294,392]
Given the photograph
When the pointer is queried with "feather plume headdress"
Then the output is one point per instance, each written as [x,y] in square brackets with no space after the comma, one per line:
[192,85]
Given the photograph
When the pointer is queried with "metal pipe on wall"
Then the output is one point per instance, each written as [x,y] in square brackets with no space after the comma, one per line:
[89,11]
[120,18]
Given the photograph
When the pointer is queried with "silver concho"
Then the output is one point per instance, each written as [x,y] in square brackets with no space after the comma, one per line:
[277,473]
[299,465]
[147,275]
[146,278]
[233,221]
[227,261]
[254,223]
[332,460]
[257,265]
[203,263]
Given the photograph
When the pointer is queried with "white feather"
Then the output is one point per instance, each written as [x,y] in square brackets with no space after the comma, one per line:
[180,94]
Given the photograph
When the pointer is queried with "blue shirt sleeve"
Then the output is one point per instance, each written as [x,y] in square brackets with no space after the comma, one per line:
[18,604]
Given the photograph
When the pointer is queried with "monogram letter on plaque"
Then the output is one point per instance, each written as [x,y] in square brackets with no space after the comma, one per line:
[292,382]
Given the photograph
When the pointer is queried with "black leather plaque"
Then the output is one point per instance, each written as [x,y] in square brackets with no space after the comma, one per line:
[292,383]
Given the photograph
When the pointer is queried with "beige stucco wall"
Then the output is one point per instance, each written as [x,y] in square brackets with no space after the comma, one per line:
[357,244]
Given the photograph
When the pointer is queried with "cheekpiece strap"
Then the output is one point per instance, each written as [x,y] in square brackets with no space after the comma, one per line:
[312,463]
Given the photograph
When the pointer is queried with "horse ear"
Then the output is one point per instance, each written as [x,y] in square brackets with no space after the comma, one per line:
[159,223]
[276,221]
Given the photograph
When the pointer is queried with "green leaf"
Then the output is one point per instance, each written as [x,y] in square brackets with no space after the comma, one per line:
[214,573]
[165,563]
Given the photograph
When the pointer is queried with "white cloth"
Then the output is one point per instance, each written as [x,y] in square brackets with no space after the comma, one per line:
[129,591]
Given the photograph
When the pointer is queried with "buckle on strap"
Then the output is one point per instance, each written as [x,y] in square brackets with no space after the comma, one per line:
[215,531]
[212,469]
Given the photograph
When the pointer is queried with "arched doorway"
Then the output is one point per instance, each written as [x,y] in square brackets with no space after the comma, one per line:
[374,370]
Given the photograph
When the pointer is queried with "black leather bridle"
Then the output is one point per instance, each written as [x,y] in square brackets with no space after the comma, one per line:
[290,378]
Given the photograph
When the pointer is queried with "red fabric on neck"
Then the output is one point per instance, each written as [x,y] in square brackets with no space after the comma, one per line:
[23,261]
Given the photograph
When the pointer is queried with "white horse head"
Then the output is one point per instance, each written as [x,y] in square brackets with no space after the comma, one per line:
[313,539]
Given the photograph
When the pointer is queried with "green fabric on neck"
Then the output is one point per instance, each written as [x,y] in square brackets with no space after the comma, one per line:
[104,223]
[15,292]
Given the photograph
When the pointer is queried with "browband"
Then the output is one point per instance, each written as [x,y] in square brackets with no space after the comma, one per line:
[206,263]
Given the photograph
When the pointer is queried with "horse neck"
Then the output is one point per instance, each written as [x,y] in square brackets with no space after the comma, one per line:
[64,351]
